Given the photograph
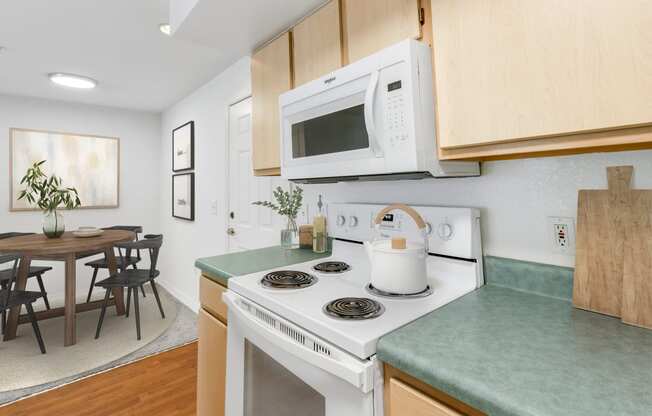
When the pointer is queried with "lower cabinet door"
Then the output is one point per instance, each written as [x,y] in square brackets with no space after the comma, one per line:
[211,365]
[406,401]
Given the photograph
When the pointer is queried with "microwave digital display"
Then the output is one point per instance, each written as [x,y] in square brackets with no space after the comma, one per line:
[394,86]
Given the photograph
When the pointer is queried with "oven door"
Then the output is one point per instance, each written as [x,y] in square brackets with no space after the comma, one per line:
[275,368]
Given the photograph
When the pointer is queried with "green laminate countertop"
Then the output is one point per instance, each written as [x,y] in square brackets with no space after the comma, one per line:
[222,268]
[512,353]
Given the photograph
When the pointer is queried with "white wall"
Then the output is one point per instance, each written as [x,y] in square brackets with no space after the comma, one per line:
[186,241]
[515,197]
[139,134]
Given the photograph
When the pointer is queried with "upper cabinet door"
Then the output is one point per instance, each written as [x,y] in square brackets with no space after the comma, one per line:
[371,25]
[523,69]
[271,76]
[317,44]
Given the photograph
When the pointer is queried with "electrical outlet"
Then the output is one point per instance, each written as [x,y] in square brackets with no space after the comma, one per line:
[562,231]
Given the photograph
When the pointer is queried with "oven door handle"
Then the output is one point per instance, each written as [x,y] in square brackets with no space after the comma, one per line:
[356,373]
[369,121]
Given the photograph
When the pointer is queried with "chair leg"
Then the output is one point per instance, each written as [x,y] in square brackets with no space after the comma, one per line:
[37,331]
[137,311]
[128,302]
[3,318]
[90,289]
[158,299]
[142,289]
[104,305]
[43,292]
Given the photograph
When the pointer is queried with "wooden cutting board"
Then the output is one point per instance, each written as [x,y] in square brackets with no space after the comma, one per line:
[637,272]
[600,240]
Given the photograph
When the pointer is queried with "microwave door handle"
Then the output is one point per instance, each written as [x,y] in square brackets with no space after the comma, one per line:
[369,99]
[350,371]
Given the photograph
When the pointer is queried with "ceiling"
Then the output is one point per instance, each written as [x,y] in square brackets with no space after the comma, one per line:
[118,43]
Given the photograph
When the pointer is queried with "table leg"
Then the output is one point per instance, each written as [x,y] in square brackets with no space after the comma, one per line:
[70,330]
[21,283]
[118,293]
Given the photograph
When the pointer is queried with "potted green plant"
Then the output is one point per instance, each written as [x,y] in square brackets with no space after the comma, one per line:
[288,204]
[49,194]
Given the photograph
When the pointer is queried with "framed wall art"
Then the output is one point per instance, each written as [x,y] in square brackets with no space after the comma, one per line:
[183,196]
[183,147]
[91,164]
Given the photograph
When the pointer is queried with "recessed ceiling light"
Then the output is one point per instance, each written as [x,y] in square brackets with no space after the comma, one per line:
[72,80]
[165,28]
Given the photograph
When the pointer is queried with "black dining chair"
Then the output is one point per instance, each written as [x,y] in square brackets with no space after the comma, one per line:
[7,277]
[11,298]
[130,261]
[132,279]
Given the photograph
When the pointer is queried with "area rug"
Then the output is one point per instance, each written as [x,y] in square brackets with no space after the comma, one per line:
[26,372]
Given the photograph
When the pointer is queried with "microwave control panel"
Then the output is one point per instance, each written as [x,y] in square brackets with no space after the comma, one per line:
[395,117]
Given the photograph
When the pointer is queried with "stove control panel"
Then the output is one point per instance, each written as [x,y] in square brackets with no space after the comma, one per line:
[451,231]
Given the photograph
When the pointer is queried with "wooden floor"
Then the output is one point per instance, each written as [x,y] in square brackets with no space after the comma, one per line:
[164,384]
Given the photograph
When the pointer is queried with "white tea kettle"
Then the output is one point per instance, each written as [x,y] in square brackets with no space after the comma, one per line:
[398,266]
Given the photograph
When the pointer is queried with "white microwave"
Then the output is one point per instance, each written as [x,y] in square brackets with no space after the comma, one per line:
[371,120]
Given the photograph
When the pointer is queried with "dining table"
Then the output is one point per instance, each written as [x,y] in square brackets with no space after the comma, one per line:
[67,248]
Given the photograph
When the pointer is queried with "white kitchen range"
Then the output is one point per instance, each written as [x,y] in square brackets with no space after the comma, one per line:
[302,339]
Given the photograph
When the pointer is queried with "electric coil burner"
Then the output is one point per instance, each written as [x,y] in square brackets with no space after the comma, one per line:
[332,267]
[288,279]
[354,308]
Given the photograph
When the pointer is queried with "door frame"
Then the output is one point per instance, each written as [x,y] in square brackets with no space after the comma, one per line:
[227,165]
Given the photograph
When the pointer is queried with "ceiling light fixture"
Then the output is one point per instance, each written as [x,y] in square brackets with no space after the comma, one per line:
[165,28]
[72,80]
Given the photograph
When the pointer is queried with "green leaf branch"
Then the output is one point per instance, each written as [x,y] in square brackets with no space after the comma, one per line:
[48,193]
[288,203]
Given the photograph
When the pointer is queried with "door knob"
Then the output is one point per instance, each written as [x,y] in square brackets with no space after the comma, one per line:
[230,231]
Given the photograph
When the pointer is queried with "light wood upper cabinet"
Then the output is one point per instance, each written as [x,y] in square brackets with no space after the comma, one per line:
[371,25]
[271,75]
[317,44]
[211,365]
[518,70]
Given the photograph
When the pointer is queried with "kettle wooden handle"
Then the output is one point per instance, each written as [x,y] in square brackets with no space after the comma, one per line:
[408,210]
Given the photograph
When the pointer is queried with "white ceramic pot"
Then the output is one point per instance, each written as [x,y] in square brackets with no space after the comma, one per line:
[397,266]
[398,271]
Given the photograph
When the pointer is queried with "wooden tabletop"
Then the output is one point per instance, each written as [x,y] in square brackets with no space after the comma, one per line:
[40,245]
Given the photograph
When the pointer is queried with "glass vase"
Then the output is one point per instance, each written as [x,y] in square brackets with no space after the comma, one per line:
[53,225]
[290,235]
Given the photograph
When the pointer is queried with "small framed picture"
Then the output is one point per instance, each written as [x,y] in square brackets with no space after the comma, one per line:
[183,196]
[183,147]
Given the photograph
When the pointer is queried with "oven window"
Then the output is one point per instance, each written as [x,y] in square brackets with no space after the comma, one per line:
[336,132]
[272,390]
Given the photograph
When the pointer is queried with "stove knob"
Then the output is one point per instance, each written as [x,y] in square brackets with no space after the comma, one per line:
[353,221]
[445,231]
[341,220]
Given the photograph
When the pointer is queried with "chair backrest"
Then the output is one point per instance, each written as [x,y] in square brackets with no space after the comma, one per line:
[13,234]
[151,242]
[8,258]
[137,229]
[5,294]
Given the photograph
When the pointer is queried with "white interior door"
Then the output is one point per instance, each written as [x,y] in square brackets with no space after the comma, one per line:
[249,226]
